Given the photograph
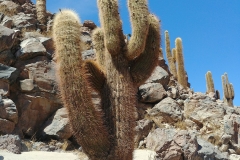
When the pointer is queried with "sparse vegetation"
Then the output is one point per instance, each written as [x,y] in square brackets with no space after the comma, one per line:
[6,11]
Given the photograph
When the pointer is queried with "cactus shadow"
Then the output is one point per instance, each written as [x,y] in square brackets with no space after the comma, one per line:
[1,158]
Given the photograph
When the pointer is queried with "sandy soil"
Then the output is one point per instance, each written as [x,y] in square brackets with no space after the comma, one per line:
[37,155]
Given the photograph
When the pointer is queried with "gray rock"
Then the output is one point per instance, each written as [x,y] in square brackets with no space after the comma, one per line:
[27,21]
[143,127]
[208,151]
[47,43]
[8,110]
[159,75]
[7,22]
[151,92]
[7,38]
[26,85]
[11,142]
[31,48]
[8,74]
[88,54]
[89,24]
[231,127]
[58,125]
[168,109]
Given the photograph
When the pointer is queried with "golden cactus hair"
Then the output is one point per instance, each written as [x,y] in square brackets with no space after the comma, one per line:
[41,11]
[181,73]
[210,83]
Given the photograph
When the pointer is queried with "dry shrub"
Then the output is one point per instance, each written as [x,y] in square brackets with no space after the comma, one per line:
[181,125]
[6,11]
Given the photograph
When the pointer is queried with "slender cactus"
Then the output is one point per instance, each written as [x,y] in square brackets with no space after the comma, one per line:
[180,67]
[105,132]
[41,11]
[170,57]
[210,84]
[228,90]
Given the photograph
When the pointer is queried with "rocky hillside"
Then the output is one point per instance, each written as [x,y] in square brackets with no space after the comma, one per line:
[174,122]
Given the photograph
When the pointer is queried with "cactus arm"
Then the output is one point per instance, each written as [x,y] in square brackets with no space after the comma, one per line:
[86,120]
[98,43]
[111,23]
[143,66]
[41,11]
[210,83]
[94,75]
[139,19]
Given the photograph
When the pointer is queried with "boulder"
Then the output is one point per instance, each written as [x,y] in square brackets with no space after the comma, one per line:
[208,151]
[7,126]
[159,75]
[90,24]
[142,129]
[151,92]
[231,127]
[26,85]
[33,112]
[7,38]
[8,76]
[6,57]
[8,110]
[26,21]
[31,48]
[58,125]
[168,110]
[11,142]
[7,22]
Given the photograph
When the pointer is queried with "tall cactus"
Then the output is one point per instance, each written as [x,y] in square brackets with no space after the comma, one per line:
[170,56]
[181,73]
[210,84]
[228,90]
[41,11]
[106,132]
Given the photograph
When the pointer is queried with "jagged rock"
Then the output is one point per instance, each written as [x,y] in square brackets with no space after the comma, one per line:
[31,48]
[172,144]
[47,43]
[7,38]
[26,85]
[156,139]
[231,127]
[143,154]
[8,75]
[7,22]
[11,142]
[34,111]
[6,57]
[21,1]
[168,109]
[8,110]
[6,126]
[26,21]
[58,125]
[159,75]
[172,92]
[142,129]
[28,8]
[151,92]
[208,151]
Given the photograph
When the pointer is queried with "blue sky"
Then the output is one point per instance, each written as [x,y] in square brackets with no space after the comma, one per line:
[210,31]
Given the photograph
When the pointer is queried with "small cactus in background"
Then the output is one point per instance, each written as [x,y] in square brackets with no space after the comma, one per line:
[181,74]
[210,84]
[170,57]
[228,91]
[41,11]
[106,132]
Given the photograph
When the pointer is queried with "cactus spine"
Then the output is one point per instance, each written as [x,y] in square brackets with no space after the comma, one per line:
[228,90]
[210,84]
[41,11]
[170,57]
[105,132]
[180,67]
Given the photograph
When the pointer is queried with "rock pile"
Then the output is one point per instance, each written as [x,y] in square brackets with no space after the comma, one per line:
[174,122]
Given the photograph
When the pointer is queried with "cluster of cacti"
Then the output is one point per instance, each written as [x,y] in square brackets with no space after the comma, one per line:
[176,58]
[210,84]
[228,91]
[106,131]
[41,11]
